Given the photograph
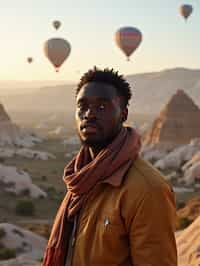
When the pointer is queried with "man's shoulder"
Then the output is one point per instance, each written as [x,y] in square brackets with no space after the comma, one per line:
[145,186]
[143,175]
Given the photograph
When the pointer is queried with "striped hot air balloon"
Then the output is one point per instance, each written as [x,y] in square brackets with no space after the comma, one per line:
[57,51]
[186,11]
[128,39]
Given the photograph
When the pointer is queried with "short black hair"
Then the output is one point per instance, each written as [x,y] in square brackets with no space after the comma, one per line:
[108,76]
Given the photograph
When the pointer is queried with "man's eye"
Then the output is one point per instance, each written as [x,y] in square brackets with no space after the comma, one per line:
[102,107]
[80,106]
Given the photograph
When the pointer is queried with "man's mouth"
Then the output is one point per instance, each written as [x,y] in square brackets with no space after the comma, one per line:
[89,128]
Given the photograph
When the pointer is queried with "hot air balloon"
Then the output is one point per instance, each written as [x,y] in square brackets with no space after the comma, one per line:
[56,24]
[29,60]
[128,39]
[186,11]
[57,50]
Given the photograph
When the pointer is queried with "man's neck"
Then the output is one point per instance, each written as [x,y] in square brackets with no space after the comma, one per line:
[94,151]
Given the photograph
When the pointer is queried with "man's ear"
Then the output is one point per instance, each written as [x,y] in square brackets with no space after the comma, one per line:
[124,114]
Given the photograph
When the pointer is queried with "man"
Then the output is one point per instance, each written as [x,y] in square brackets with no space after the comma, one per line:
[118,210]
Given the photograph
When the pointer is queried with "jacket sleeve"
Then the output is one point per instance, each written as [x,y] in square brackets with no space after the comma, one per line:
[151,229]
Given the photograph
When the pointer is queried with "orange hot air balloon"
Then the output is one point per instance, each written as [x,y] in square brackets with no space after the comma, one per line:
[56,24]
[128,39]
[57,51]
[29,60]
[186,11]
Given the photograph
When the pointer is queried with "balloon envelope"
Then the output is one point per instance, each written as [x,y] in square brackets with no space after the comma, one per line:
[29,60]
[57,50]
[128,39]
[56,24]
[186,10]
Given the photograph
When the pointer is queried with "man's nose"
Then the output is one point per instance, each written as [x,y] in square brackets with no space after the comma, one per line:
[90,113]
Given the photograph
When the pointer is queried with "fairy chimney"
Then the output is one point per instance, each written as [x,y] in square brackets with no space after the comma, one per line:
[3,115]
[177,123]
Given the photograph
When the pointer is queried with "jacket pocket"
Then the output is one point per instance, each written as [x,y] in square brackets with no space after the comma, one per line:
[110,240]
[109,225]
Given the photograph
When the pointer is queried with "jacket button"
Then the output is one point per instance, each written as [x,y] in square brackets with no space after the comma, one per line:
[73,241]
[106,222]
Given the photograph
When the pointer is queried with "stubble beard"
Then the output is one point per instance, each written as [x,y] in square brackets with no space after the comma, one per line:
[98,143]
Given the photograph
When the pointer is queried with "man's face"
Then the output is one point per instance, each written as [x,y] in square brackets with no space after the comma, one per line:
[99,114]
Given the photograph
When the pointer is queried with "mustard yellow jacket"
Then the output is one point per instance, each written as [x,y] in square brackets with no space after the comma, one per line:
[129,223]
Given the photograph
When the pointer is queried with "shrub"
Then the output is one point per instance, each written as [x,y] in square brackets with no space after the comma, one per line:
[51,189]
[40,229]
[25,192]
[25,207]
[183,222]
[6,253]
[40,260]
[44,178]
[2,160]
[58,198]
[2,233]
[180,204]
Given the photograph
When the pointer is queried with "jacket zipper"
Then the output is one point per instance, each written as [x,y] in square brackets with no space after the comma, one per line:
[72,242]
[74,230]
[73,235]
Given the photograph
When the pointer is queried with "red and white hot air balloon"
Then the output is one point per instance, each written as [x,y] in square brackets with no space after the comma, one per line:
[128,39]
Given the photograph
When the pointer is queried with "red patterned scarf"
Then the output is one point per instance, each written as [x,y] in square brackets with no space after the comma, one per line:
[80,176]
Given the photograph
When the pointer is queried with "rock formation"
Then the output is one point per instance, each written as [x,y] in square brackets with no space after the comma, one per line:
[3,115]
[24,242]
[11,134]
[177,123]
[18,181]
[188,244]
[191,210]
[20,261]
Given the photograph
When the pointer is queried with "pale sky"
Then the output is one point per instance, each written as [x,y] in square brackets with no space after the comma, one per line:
[89,25]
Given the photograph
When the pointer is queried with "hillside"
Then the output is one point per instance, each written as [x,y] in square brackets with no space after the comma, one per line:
[152,90]
[147,88]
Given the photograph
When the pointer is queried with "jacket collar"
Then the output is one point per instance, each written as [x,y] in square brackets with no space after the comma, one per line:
[117,178]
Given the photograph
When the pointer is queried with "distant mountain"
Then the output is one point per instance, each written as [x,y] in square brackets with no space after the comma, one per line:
[151,91]
[16,87]
[50,99]
[20,84]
